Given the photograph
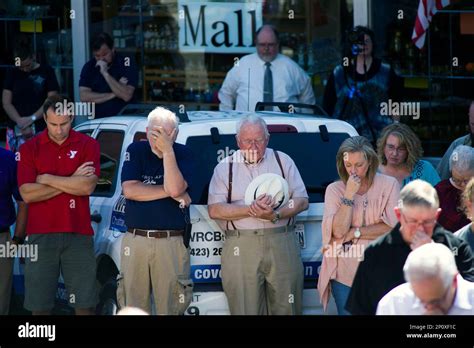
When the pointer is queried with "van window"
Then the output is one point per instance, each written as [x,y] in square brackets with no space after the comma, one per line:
[315,159]
[139,136]
[110,142]
[87,132]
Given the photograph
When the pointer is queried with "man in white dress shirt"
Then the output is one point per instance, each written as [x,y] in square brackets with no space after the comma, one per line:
[265,76]
[434,286]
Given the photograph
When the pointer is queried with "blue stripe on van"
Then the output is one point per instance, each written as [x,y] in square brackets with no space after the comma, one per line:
[212,273]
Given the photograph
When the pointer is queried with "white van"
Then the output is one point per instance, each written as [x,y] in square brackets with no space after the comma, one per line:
[312,142]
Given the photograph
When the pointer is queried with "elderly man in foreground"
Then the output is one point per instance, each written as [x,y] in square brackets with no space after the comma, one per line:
[434,286]
[382,268]
[262,272]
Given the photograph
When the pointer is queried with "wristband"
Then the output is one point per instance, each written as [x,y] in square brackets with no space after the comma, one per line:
[348,202]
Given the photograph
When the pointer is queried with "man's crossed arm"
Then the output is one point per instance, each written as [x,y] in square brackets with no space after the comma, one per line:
[81,183]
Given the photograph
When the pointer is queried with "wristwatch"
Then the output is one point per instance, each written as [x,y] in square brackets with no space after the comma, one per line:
[277,217]
[357,233]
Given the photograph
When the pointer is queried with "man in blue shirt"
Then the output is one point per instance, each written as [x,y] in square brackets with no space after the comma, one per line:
[9,189]
[109,79]
[156,182]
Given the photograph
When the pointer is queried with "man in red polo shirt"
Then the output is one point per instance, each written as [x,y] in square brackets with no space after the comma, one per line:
[57,171]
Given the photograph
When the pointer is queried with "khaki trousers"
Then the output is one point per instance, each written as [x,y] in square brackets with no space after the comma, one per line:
[262,272]
[6,276]
[157,265]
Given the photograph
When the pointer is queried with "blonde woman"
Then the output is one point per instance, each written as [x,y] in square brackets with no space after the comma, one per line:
[357,209]
[400,151]
[467,232]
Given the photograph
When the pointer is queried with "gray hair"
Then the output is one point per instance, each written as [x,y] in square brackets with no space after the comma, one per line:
[418,193]
[462,159]
[252,119]
[431,260]
[160,114]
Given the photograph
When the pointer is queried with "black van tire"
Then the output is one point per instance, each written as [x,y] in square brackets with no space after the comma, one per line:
[108,298]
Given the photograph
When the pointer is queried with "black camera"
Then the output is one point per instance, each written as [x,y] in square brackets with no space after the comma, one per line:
[356,40]
[356,36]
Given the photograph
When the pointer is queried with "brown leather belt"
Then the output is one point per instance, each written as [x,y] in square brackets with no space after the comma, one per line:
[156,233]
[258,231]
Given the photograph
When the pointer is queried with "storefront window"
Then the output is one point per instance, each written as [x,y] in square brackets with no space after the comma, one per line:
[184,49]
[47,28]
[439,76]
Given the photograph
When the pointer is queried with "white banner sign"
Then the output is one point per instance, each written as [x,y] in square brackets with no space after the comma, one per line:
[218,27]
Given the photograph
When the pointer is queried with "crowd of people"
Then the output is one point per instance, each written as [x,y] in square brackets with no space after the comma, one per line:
[390,217]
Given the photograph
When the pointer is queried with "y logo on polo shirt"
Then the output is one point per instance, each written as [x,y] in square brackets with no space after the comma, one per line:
[72,154]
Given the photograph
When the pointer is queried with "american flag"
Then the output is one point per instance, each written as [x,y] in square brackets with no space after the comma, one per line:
[426,10]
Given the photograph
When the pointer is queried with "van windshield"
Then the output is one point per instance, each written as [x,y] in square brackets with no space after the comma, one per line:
[314,157]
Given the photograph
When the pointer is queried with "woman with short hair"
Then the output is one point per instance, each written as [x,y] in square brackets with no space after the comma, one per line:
[461,166]
[467,232]
[357,209]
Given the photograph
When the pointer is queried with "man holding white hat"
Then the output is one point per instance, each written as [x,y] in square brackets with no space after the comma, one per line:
[254,195]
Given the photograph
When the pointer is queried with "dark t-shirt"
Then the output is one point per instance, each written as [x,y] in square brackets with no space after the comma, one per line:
[143,165]
[8,188]
[30,90]
[382,268]
[92,78]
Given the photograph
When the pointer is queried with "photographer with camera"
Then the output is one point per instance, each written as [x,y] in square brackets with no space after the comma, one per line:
[356,87]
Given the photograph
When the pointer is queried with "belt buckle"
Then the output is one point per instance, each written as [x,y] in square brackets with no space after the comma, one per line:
[148,233]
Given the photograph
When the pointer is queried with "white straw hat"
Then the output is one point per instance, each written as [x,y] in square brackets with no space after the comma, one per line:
[271,184]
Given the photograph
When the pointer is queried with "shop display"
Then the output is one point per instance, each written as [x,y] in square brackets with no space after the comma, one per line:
[149,31]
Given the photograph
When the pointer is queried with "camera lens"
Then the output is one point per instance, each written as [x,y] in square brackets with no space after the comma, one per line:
[356,37]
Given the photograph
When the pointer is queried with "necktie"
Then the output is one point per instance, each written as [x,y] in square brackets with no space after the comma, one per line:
[268,84]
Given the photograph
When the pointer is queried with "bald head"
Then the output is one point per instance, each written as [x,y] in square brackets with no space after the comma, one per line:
[267,43]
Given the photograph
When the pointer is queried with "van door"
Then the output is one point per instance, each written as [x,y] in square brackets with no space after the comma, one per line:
[105,196]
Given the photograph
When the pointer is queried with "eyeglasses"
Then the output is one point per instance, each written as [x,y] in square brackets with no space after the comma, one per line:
[248,142]
[267,45]
[392,148]
[426,223]
[460,182]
